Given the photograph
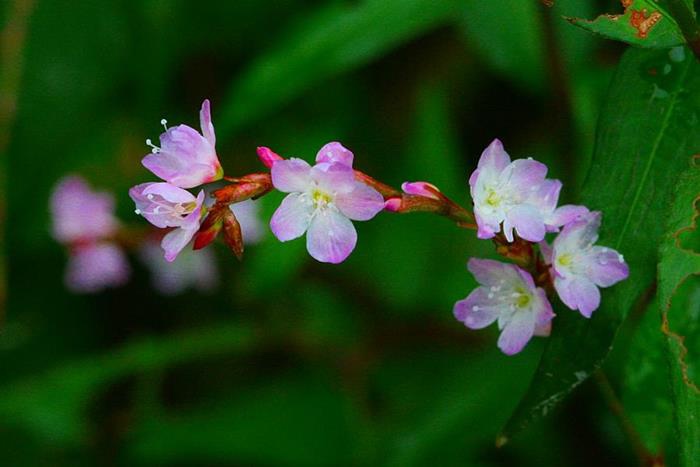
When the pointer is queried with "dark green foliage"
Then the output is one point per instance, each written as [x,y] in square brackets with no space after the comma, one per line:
[292,362]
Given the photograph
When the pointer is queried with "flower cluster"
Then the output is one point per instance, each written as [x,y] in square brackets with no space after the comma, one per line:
[185,159]
[84,221]
[515,195]
[515,205]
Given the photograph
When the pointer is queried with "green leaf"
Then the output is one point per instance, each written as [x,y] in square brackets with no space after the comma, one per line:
[681,324]
[647,130]
[645,395]
[336,39]
[644,23]
[508,36]
[446,404]
[52,404]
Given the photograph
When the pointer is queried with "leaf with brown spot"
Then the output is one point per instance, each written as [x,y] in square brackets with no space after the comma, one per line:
[676,267]
[644,23]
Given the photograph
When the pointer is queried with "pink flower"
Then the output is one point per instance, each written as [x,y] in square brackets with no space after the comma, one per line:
[84,220]
[507,294]
[197,270]
[80,214]
[95,266]
[502,191]
[321,202]
[165,205]
[580,267]
[186,158]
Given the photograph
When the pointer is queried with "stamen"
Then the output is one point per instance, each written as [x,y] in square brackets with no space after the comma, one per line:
[138,211]
[154,149]
[475,308]
[164,122]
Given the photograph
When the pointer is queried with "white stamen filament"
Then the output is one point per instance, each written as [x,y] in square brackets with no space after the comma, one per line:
[154,149]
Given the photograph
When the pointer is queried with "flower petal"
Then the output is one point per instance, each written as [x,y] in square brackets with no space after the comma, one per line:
[544,312]
[291,175]
[78,213]
[334,177]
[578,235]
[517,332]
[184,142]
[488,226]
[522,174]
[477,310]
[605,266]
[194,219]
[175,240]
[206,124]
[185,159]
[168,192]
[578,293]
[292,217]
[331,237]
[545,196]
[361,204]
[527,221]
[164,166]
[494,157]
[493,273]
[96,267]
[335,152]
[564,215]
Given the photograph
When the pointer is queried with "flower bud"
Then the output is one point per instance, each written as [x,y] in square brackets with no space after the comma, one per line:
[268,157]
[425,189]
[232,233]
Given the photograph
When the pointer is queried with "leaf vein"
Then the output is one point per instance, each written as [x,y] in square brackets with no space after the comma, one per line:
[653,153]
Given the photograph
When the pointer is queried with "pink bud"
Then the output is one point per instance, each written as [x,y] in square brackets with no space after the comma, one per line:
[425,189]
[392,204]
[268,157]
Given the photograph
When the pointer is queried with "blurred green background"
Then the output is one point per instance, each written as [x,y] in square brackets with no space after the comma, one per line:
[289,362]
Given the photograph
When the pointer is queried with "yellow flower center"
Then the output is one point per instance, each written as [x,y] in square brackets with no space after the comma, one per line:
[523,299]
[493,199]
[565,260]
[320,198]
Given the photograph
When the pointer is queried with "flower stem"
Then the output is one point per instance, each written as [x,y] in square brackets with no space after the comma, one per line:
[645,457]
